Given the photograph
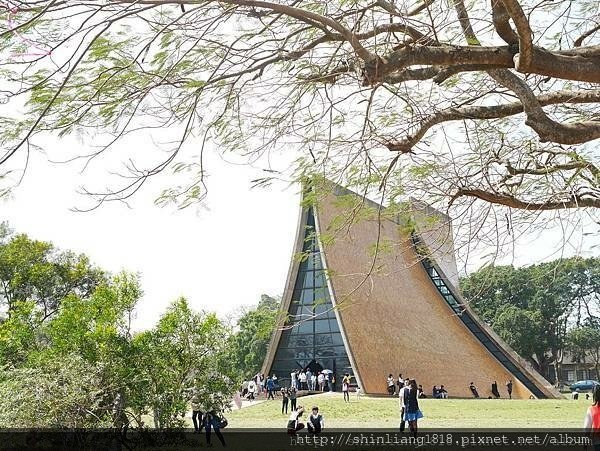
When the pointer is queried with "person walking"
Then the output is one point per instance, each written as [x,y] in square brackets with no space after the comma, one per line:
[284,400]
[402,406]
[591,423]
[509,387]
[270,388]
[412,413]
[251,389]
[315,421]
[294,424]
[293,396]
[212,419]
[346,387]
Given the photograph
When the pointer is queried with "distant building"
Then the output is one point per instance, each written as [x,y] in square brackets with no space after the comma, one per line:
[349,309]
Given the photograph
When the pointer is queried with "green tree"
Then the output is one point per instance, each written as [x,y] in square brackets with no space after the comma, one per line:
[32,270]
[182,353]
[533,307]
[584,342]
[65,391]
[255,327]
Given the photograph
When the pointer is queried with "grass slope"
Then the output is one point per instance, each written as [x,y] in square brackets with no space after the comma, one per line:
[451,413]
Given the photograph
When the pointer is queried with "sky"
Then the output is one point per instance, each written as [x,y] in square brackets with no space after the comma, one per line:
[220,256]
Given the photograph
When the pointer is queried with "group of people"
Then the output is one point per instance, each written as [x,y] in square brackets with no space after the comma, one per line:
[494,390]
[257,385]
[408,398]
[207,418]
[392,384]
[314,423]
[308,380]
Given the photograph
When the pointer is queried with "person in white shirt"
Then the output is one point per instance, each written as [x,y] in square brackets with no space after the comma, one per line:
[321,380]
[251,389]
[315,423]
[313,381]
[294,424]
[391,385]
[303,385]
[402,406]
[293,382]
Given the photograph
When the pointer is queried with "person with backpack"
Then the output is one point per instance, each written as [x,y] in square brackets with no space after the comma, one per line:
[315,422]
[591,422]
[213,419]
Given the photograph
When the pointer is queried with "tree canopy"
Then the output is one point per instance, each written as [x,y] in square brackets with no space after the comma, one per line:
[361,91]
[540,310]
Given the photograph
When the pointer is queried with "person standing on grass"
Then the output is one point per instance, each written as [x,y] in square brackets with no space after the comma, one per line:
[402,406]
[412,413]
[495,391]
[591,423]
[197,412]
[346,387]
[284,400]
[509,388]
[473,389]
[293,395]
[390,385]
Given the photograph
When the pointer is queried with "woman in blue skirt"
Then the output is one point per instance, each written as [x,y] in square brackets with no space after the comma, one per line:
[411,407]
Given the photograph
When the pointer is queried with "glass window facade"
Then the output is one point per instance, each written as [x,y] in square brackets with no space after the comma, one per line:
[471,324]
[312,336]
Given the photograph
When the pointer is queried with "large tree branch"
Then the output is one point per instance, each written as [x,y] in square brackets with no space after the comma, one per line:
[553,64]
[525,57]
[546,128]
[573,201]
[500,19]
[491,112]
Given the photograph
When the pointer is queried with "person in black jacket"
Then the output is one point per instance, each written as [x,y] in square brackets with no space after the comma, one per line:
[315,422]
[412,413]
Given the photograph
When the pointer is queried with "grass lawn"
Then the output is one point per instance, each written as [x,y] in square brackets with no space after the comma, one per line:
[450,413]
